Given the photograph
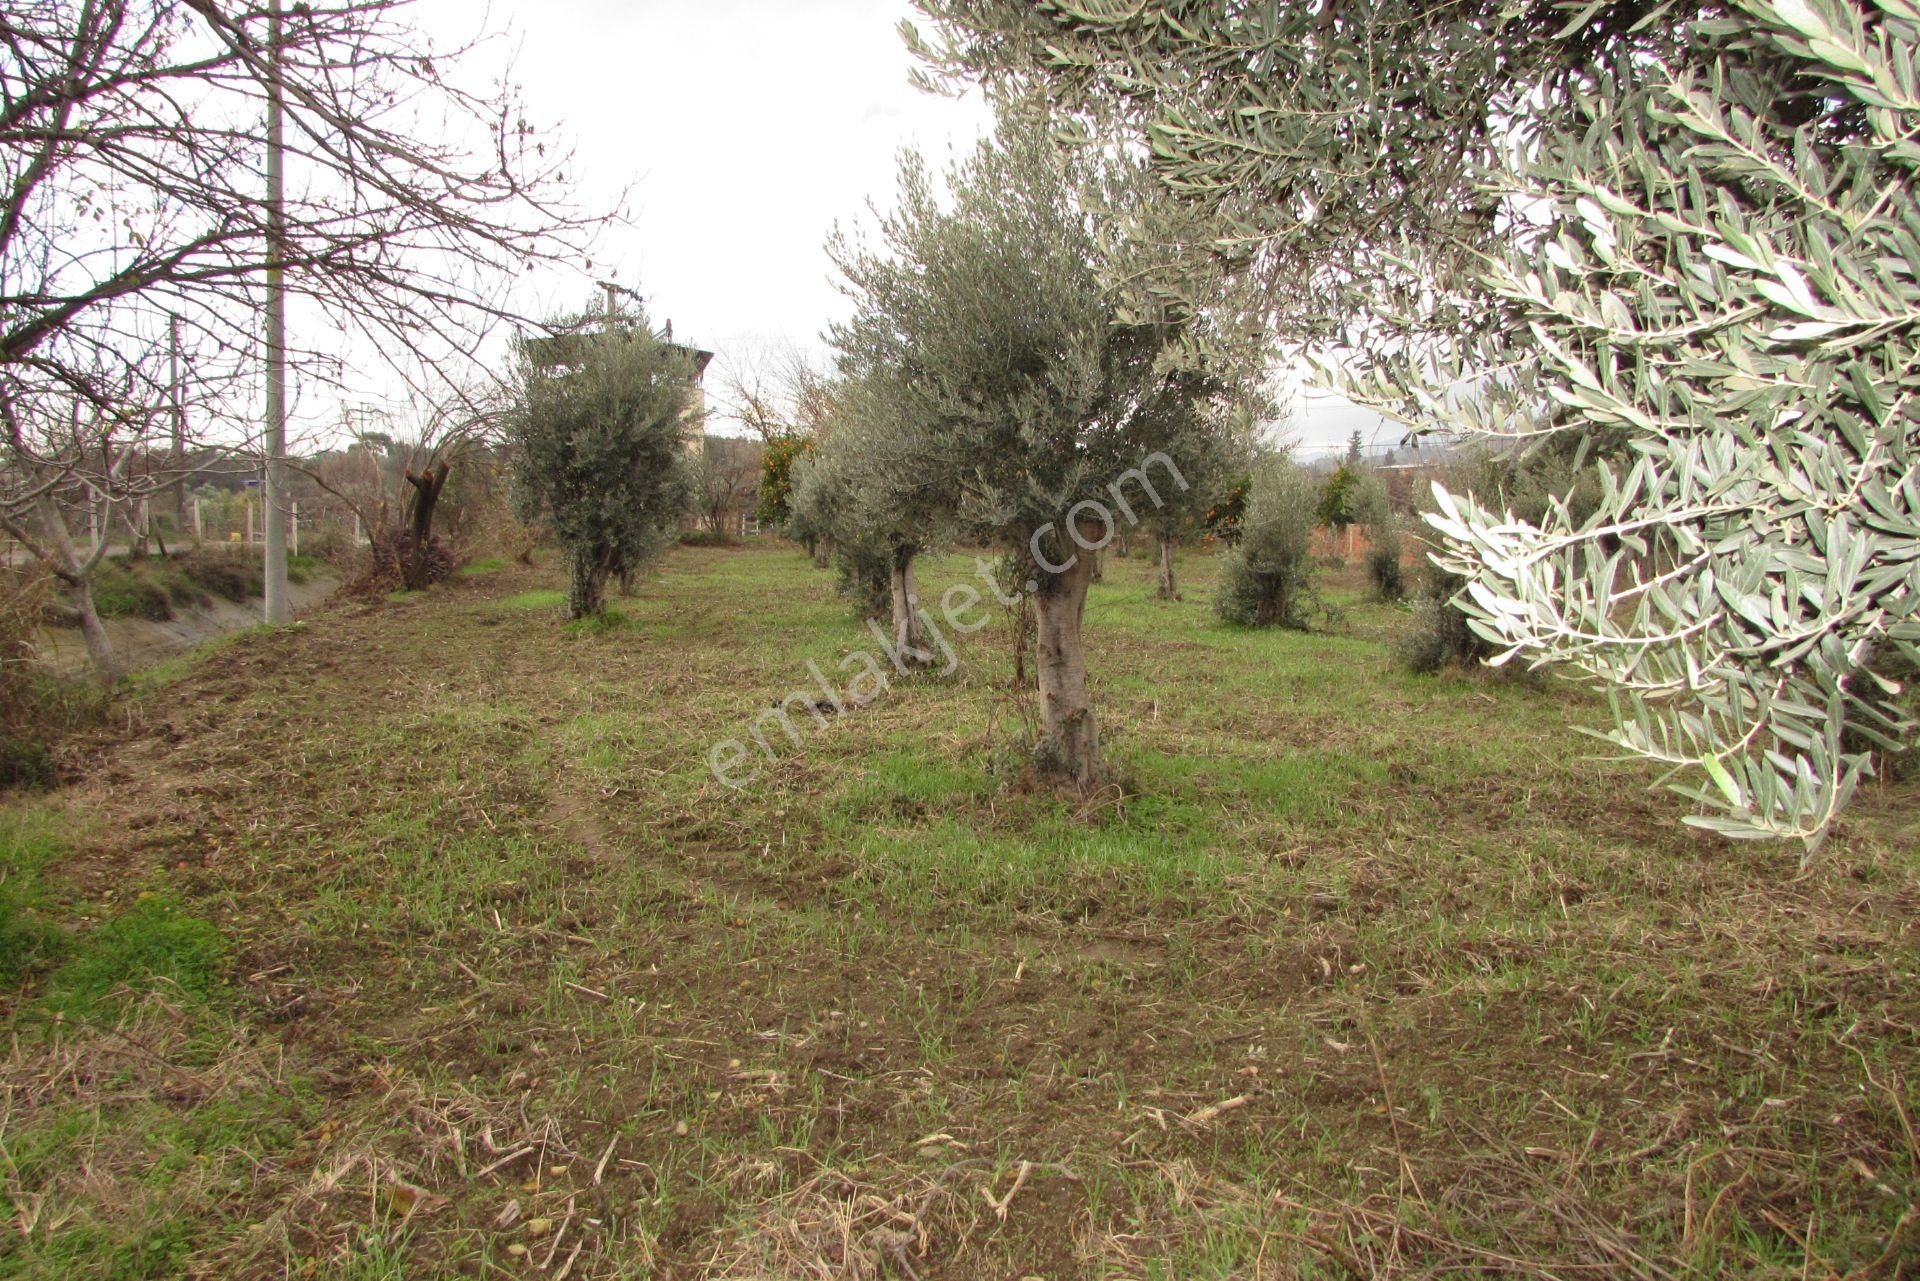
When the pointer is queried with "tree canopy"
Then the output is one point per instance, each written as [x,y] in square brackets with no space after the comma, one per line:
[602,424]
[1683,236]
[1022,396]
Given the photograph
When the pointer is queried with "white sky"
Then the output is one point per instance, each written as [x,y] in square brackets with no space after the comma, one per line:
[743,130]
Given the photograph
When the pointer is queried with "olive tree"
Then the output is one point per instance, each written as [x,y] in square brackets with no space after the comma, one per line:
[1335,155]
[1212,443]
[880,515]
[1025,399]
[1698,254]
[1729,285]
[810,499]
[1267,580]
[601,421]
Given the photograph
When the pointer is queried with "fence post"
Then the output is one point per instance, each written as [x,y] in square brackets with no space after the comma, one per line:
[199,527]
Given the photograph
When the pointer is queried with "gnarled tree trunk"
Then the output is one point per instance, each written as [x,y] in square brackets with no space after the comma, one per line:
[587,592]
[909,637]
[426,494]
[1069,748]
[1168,589]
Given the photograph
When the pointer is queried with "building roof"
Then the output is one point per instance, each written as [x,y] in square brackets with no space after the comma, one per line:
[558,345]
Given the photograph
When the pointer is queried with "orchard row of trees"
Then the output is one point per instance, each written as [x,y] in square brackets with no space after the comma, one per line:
[992,388]
[1673,243]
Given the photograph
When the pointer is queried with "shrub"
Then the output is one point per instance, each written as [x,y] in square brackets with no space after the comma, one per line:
[123,589]
[26,762]
[1373,509]
[1267,580]
[36,705]
[331,544]
[389,555]
[1439,636]
[1385,572]
[231,574]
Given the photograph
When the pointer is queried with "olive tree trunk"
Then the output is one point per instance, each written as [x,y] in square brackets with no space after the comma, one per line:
[1168,589]
[587,594]
[909,637]
[1069,747]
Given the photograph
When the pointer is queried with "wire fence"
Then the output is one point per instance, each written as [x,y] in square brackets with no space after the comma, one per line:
[218,521]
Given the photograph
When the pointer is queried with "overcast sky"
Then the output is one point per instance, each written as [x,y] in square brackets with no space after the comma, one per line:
[742,131]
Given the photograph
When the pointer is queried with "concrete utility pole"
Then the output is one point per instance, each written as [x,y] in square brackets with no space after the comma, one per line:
[275,513]
[179,415]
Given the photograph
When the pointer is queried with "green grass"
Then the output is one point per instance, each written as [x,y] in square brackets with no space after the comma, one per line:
[148,589]
[607,620]
[124,1169]
[153,942]
[29,844]
[158,588]
[430,886]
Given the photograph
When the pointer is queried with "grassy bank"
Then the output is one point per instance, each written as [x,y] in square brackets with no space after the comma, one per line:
[421,941]
[157,588]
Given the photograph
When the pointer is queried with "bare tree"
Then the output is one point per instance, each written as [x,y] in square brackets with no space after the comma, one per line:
[72,466]
[132,138]
[727,478]
[782,394]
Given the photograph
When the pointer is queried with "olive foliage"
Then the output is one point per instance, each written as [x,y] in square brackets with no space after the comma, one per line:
[601,421]
[1682,238]
[1022,402]
[1729,290]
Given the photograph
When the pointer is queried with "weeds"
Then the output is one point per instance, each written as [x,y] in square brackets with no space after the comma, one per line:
[37,707]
